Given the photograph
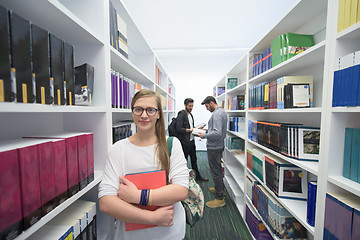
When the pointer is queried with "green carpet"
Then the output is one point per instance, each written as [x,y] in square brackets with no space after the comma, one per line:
[220,223]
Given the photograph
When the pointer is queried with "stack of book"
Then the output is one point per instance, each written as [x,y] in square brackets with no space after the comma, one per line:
[342,216]
[123,129]
[237,124]
[285,92]
[290,139]
[351,165]
[288,45]
[122,90]
[236,102]
[256,226]
[276,217]
[36,66]
[78,221]
[118,32]
[43,171]
[261,63]
[349,14]
[346,88]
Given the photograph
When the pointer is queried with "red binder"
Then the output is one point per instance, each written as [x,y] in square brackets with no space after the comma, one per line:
[146,180]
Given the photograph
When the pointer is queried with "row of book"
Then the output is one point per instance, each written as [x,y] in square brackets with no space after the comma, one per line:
[37,66]
[349,13]
[39,173]
[278,219]
[236,102]
[118,32]
[235,143]
[346,88]
[260,63]
[284,92]
[288,45]
[284,179]
[122,90]
[236,124]
[160,77]
[351,165]
[256,226]
[342,216]
[122,130]
[289,139]
[78,221]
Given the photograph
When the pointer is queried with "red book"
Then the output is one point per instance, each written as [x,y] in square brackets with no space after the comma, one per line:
[146,180]
[10,197]
[47,177]
[59,157]
[82,160]
[90,156]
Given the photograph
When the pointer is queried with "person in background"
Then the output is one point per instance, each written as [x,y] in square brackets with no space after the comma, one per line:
[146,150]
[215,136]
[184,127]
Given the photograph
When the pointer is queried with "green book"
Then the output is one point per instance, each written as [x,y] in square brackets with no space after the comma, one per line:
[284,47]
[297,43]
[276,51]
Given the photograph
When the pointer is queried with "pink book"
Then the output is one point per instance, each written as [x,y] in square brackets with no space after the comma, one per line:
[82,160]
[10,197]
[90,156]
[59,157]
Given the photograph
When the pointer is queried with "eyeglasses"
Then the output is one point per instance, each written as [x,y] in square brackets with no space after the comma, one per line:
[138,111]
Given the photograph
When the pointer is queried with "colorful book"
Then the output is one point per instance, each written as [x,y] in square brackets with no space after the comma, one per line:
[146,180]
[298,43]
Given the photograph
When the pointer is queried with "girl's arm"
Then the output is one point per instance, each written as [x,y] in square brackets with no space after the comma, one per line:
[125,212]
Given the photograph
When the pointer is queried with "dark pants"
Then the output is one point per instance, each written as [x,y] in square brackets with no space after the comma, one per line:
[214,158]
[190,149]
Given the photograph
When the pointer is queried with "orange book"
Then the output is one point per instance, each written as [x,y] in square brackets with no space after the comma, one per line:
[145,180]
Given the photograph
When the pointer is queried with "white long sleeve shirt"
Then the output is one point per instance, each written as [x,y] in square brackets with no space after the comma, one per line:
[125,158]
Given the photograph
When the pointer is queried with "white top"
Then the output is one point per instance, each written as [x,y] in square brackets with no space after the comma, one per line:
[191,126]
[140,159]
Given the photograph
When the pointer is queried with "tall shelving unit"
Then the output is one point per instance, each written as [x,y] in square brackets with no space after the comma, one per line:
[86,26]
[318,18]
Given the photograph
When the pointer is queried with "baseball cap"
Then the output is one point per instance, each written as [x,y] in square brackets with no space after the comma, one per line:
[208,99]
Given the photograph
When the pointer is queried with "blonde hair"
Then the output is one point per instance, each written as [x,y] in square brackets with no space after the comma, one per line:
[160,132]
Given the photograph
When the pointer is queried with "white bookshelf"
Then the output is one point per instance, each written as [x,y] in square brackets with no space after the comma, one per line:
[85,25]
[318,18]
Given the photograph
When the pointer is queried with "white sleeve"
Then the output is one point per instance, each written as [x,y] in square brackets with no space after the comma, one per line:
[179,173]
[110,182]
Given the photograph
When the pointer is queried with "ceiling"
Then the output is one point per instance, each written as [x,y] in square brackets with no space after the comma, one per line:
[201,40]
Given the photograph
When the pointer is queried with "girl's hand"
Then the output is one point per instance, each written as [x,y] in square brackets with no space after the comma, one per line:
[128,191]
[164,216]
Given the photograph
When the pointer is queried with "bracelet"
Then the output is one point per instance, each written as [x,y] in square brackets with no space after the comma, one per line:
[144,197]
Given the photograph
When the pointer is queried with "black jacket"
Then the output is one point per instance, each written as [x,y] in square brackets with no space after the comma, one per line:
[182,123]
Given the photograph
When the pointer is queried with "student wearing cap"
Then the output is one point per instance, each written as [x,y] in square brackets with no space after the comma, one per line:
[215,136]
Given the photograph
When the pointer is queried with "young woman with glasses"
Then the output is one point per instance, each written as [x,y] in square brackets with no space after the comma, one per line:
[144,151]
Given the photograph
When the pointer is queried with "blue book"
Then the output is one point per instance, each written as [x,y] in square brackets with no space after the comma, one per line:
[336,85]
[354,164]
[311,203]
[347,152]
[354,88]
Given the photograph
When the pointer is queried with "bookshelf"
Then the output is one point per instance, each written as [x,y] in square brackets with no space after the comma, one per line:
[85,25]
[318,18]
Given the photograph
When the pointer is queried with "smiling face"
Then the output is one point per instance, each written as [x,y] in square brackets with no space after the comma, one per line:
[144,122]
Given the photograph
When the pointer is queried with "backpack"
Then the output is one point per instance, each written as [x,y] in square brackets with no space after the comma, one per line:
[194,203]
[172,127]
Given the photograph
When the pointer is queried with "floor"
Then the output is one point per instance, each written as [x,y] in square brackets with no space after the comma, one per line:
[219,223]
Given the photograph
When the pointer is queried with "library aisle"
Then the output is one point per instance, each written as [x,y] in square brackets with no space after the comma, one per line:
[219,223]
